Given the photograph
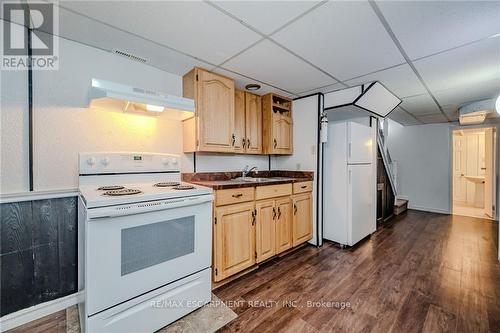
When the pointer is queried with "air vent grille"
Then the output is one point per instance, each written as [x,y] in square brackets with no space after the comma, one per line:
[129,55]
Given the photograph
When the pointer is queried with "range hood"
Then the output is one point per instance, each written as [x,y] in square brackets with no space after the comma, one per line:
[114,96]
[373,97]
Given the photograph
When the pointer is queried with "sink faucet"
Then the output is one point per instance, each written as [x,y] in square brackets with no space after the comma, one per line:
[246,171]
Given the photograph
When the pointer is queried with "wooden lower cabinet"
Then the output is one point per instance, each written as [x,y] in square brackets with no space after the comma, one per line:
[302,218]
[284,226]
[256,230]
[265,229]
[234,239]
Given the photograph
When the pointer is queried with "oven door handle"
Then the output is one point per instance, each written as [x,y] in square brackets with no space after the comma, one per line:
[146,207]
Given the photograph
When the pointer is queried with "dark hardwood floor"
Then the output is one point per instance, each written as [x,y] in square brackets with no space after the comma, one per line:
[423,272]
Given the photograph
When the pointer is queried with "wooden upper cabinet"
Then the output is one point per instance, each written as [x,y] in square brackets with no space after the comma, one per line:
[239,121]
[265,229]
[277,125]
[302,218]
[234,239]
[253,123]
[284,229]
[212,128]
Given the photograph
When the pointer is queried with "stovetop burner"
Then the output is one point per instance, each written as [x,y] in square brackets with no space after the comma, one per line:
[167,184]
[121,192]
[111,188]
[183,187]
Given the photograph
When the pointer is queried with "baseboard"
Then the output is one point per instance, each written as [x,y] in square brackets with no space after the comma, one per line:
[24,316]
[403,197]
[429,209]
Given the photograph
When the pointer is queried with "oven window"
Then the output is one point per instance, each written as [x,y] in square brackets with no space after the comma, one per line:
[155,243]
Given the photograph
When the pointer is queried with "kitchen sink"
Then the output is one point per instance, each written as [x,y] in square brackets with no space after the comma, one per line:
[255,179]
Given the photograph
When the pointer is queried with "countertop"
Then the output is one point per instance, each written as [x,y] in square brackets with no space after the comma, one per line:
[224,180]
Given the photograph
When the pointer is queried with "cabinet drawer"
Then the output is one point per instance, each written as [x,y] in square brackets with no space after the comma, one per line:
[271,191]
[302,187]
[234,195]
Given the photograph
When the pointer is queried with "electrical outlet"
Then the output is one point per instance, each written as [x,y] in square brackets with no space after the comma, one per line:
[313,150]
[298,166]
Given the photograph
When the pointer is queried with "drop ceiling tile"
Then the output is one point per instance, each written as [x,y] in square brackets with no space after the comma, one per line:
[324,90]
[193,27]
[344,38]
[468,93]
[84,30]
[421,104]
[401,80]
[432,118]
[266,16]
[462,67]
[241,81]
[427,27]
[403,118]
[272,64]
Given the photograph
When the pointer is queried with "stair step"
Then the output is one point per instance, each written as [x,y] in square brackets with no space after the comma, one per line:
[400,206]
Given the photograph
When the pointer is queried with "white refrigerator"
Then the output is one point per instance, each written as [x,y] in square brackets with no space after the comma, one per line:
[349,183]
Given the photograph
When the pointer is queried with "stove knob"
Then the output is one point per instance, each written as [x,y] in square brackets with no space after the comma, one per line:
[91,161]
[105,160]
[165,161]
[174,161]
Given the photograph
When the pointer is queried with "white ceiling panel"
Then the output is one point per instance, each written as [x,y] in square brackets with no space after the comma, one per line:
[427,27]
[192,27]
[346,39]
[468,93]
[462,67]
[241,81]
[401,80]
[432,118]
[403,118]
[272,64]
[421,104]
[266,16]
[324,90]
[70,27]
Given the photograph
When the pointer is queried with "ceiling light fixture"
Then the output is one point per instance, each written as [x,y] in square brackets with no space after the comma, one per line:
[252,86]
[154,108]
[497,104]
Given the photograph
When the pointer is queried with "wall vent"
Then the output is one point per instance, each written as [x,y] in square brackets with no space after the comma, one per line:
[129,55]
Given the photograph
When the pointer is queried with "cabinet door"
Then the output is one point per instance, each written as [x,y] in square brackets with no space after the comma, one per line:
[282,131]
[234,239]
[215,110]
[265,229]
[302,218]
[240,140]
[253,107]
[284,235]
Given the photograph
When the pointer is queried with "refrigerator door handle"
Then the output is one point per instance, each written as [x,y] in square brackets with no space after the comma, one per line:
[350,173]
[350,149]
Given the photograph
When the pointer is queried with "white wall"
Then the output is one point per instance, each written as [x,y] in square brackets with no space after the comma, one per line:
[64,126]
[423,156]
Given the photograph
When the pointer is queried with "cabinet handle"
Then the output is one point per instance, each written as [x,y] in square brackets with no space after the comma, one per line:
[244,142]
[237,195]
[279,213]
[274,213]
[233,139]
[248,143]
[303,186]
[294,209]
[275,143]
[253,217]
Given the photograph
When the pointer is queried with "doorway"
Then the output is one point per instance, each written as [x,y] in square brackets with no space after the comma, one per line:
[474,172]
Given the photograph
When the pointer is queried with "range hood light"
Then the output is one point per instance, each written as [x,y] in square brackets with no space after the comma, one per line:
[154,108]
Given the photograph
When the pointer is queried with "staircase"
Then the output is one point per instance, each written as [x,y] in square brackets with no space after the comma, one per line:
[390,166]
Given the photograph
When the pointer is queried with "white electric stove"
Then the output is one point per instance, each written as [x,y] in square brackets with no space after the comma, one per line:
[144,242]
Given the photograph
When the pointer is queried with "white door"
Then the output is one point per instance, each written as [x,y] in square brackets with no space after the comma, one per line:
[360,143]
[489,186]
[459,169]
[360,210]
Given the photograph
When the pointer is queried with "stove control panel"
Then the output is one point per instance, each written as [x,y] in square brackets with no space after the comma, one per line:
[106,163]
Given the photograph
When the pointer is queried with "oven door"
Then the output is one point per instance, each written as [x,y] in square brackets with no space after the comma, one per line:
[133,249]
